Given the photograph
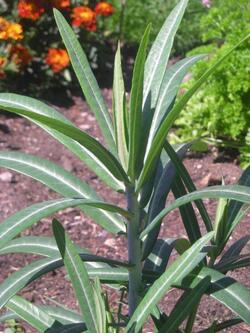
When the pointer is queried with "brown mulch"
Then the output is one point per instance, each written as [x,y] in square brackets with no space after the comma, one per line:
[18,191]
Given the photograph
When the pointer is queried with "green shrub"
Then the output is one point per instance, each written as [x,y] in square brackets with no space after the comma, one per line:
[221,110]
[138,162]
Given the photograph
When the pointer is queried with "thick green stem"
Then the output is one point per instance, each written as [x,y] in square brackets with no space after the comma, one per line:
[134,252]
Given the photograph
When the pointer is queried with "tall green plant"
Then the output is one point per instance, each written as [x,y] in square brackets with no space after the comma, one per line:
[141,164]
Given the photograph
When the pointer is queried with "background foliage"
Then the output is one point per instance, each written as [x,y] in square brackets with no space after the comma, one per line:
[221,110]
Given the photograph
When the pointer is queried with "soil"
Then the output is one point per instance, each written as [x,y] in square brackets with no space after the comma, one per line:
[18,191]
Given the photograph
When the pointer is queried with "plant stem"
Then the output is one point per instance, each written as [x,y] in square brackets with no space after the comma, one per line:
[134,252]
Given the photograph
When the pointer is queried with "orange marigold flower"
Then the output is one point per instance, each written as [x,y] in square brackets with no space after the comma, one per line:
[57,59]
[4,26]
[60,4]
[84,17]
[15,31]
[30,9]
[104,8]
[20,55]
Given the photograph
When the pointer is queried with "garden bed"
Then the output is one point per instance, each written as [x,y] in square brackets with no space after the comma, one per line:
[18,191]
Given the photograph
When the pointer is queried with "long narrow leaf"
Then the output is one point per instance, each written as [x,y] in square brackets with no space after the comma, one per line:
[32,314]
[135,115]
[120,111]
[81,137]
[86,79]
[18,102]
[157,59]
[185,306]
[169,88]
[78,276]
[175,272]
[25,218]
[224,325]
[235,192]
[62,182]
[161,134]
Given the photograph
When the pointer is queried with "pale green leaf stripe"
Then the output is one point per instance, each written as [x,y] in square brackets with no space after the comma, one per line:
[224,289]
[86,79]
[135,116]
[161,134]
[234,192]
[78,276]
[180,268]
[169,88]
[185,306]
[81,137]
[32,314]
[157,59]
[62,182]
[120,110]
[15,101]
[25,218]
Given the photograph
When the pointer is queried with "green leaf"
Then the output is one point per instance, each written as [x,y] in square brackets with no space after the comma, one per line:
[224,289]
[43,246]
[187,180]
[78,275]
[235,192]
[100,306]
[99,151]
[120,111]
[172,79]
[187,212]
[62,182]
[25,218]
[32,314]
[86,79]
[235,249]
[18,102]
[70,328]
[135,116]
[157,59]
[160,137]
[185,306]
[182,266]
[223,325]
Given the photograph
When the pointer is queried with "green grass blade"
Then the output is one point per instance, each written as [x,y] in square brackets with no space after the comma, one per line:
[19,102]
[224,289]
[135,115]
[175,272]
[63,183]
[185,306]
[32,314]
[120,111]
[157,59]
[78,276]
[172,79]
[86,79]
[224,325]
[161,134]
[187,180]
[98,150]
[70,328]
[235,249]
[235,192]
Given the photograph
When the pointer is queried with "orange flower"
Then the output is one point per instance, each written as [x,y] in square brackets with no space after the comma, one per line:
[84,17]
[57,59]
[10,30]
[20,55]
[3,61]
[60,4]
[104,8]
[30,9]
[4,26]
[15,31]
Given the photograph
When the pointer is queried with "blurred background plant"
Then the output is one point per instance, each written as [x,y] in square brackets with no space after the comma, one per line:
[220,112]
[32,57]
